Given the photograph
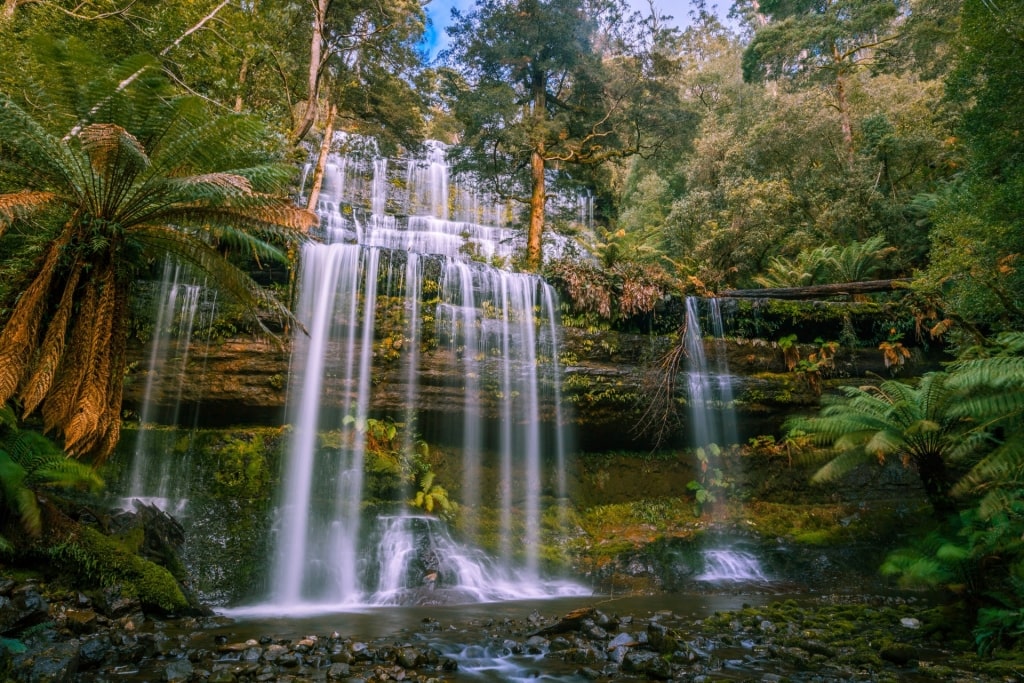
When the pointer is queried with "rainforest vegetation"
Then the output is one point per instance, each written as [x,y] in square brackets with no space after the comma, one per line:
[793,143]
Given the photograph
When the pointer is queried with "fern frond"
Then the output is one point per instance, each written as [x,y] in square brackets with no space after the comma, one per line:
[1005,464]
[19,334]
[840,465]
[108,145]
[60,402]
[18,498]
[66,473]
[52,349]
[16,205]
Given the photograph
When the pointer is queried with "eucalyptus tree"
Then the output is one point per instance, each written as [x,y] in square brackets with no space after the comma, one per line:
[96,182]
[823,42]
[364,54]
[549,85]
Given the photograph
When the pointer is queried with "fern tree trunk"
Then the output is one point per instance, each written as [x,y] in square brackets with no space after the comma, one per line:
[935,479]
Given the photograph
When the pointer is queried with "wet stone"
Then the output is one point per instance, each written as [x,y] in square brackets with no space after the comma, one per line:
[559,644]
[178,670]
[409,658]
[288,659]
[82,620]
[221,676]
[338,671]
[621,640]
[274,653]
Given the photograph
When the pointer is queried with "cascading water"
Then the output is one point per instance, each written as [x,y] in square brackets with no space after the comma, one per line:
[713,424]
[499,329]
[163,481]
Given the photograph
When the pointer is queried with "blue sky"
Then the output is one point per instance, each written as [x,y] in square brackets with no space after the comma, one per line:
[440,11]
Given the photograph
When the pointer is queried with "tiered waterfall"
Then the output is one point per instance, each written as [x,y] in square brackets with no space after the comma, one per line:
[406,266]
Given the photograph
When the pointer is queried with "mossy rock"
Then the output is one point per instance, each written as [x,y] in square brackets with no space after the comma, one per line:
[101,561]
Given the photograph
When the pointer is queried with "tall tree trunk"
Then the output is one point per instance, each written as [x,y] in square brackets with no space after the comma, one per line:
[8,13]
[537,200]
[321,161]
[843,105]
[538,196]
[242,74]
[317,59]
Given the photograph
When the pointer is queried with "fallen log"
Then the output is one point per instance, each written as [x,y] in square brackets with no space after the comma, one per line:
[570,622]
[818,291]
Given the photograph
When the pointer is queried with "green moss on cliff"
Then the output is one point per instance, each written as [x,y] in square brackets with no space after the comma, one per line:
[101,561]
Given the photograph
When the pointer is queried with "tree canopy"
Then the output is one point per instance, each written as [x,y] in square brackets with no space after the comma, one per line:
[542,86]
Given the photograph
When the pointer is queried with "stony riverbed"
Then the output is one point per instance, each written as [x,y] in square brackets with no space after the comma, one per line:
[71,637]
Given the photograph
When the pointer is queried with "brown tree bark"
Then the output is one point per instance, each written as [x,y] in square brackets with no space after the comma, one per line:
[317,59]
[321,161]
[538,194]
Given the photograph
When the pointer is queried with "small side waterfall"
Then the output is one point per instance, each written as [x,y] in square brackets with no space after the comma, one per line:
[710,398]
[731,565]
[713,424]
[155,476]
[498,328]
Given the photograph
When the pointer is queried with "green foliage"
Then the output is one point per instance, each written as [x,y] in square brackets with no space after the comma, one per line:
[115,173]
[242,469]
[711,483]
[827,264]
[101,561]
[29,462]
[916,425]
[593,83]
[430,497]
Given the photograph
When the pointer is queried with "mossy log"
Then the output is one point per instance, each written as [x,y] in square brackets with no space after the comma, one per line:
[818,291]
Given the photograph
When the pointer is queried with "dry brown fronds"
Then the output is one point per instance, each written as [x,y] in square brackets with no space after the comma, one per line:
[52,350]
[14,204]
[289,216]
[104,142]
[60,402]
[87,419]
[20,334]
[224,181]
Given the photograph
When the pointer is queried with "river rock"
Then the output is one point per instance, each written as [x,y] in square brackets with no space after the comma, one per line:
[178,670]
[114,604]
[649,663]
[25,607]
[410,658]
[81,621]
[58,663]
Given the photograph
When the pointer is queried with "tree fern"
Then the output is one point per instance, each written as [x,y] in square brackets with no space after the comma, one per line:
[118,172]
[914,424]
[859,260]
[29,462]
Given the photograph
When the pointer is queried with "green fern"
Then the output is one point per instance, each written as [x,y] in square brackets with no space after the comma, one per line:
[28,462]
[915,424]
[431,497]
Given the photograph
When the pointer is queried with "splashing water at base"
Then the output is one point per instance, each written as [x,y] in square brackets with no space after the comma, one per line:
[727,565]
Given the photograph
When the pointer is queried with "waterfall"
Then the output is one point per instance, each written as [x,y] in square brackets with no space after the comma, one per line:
[713,421]
[497,328]
[156,475]
[709,385]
